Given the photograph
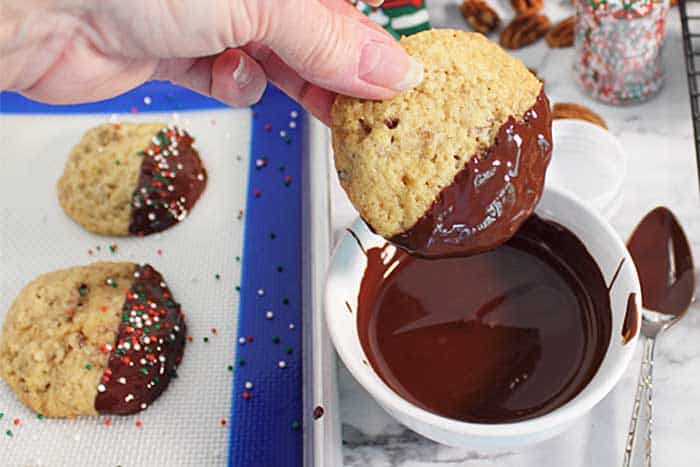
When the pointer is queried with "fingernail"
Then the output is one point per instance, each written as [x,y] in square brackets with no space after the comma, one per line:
[242,75]
[389,66]
[374,3]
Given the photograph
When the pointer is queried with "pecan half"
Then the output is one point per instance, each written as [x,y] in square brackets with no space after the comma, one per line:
[569,110]
[527,6]
[562,33]
[524,30]
[480,16]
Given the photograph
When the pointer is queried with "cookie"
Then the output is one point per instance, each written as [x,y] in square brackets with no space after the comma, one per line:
[131,179]
[455,165]
[99,339]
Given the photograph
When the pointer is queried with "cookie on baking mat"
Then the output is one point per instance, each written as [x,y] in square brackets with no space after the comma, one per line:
[131,179]
[455,165]
[98,339]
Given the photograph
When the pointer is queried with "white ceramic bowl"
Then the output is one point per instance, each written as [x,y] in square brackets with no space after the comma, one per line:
[346,271]
[584,152]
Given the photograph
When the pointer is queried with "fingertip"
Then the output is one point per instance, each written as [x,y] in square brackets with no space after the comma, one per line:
[237,79]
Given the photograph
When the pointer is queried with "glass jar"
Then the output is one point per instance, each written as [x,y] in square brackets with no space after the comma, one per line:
[618,48]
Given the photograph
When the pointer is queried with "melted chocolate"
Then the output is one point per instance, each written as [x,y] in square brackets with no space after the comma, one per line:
[664,263]
[631,324]
[497,337]
[492,195]
[171,180]
[150,343]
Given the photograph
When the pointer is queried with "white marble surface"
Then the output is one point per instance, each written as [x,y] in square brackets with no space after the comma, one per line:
[658,138]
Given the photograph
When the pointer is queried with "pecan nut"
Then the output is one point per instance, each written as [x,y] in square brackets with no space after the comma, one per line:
[480,16]
[524,30]
[562,33]
[527,6]
[569,110]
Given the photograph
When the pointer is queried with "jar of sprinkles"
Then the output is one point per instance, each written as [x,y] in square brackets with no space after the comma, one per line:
[618,48]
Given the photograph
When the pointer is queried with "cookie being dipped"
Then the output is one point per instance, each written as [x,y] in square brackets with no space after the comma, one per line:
[99,339]
[454,166]
[131,179]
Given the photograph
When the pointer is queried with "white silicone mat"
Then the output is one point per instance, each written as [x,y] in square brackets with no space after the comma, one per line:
[187,425]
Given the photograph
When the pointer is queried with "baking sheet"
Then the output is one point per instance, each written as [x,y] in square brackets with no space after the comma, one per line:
[186,425]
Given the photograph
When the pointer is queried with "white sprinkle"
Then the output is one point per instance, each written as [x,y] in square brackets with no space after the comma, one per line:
[176,328]
[200,177]
[137,274]
[269,314]
[129,398]
[101,388]
[127,345]
[283,133]
[282,364]
[121,380]
[248,385]
[161,358]
[294,114]
[144,405]
[142,361]
[162,370]
[292,124]
[137,347]
[151,216]
[291,325]
[180,166]
[146,340]
[147,100]
[261,292]
[241,340]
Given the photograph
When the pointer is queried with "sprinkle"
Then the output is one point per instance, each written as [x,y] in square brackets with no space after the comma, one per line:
[245,395]
[257,193]
[9,433]
[289,350]
[108,421]
[267,127]
[121,380]
[280,268]
[291,325]
[287,180]
[83,290]
[138,424]
[294,114]
[261,292]
[269,314]
[283,134]
[238,288]
[134,110]
[205,339]
[1,415]
[285,301]
[189,338]
[113,248]
[273,236]
[40,416]
[261,163]
[282,364]
[129,398]
[147,100]
[281,167]
[292,124]
[238,259]
[217,276]
[101,388]
[250,338]
[104,308]
[295,425]
[89,251]
[241,340]
[159,252]
[16,422]
[88,366]
[229,368]
[241,362]
[248,385]
[276,340]
[70,312]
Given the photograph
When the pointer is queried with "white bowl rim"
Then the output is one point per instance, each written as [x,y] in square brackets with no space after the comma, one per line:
[560,416]
[606,198]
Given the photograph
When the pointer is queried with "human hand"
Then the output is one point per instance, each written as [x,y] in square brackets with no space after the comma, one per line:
[68,51]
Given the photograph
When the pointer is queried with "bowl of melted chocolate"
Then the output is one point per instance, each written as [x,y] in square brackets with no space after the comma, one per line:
[497,349]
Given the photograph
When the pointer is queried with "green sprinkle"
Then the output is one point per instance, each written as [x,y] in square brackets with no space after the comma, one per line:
[276,340]
[229,368]
[1,415]
[241,362]
[217,276]
[143,371]
[39,416]
[272,236]
[117,162]
[174,374]
[156,379]
[280,268]
[113,248]
[281,167]
[205,339]
[88,366]
[285,301]
[289,350]
[238,288]
[83,290]
[295,425]
[9,433]
[146,330]
[157,325]
[238,259]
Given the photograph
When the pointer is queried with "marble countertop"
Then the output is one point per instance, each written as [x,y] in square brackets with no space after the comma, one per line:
[658,139]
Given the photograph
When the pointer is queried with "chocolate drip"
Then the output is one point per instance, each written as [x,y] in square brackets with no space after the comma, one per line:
[497,337]
[629,327]
[171,180]
[492,195]
[664,263]
[150,344]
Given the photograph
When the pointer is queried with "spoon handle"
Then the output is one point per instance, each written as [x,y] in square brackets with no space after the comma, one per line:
[642,411]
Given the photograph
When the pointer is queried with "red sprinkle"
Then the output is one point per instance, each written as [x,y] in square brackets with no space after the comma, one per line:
[223,422]
[89,251]
[104,308]
[246,395]
[16,421]
[159,252]
[257,193]
[134,110]
[189,338]
[267,127]
[249,338]
[214,330]
[108,422]
[138,424]
[70,312]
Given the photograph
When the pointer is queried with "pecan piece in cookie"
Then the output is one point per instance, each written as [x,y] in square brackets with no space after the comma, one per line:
[562,33]
[524,30]
[480,16]
[527,6]
[569,110]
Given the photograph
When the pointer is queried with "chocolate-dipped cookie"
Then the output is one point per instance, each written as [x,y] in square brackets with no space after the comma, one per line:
[99,339]
[131,179]
[456,165]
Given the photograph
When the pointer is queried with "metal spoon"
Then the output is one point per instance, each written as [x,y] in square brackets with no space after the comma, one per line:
[661,253]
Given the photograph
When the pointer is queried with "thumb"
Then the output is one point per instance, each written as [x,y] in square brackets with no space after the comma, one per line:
[338,51]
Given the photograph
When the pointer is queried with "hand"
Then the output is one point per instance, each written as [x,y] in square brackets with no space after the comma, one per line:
[68,51]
